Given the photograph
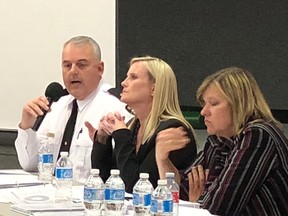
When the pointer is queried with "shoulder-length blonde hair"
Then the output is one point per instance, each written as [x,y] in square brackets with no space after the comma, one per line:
[242,93]
[165,104]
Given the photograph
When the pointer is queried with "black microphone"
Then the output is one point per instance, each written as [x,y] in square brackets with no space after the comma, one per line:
[53,93]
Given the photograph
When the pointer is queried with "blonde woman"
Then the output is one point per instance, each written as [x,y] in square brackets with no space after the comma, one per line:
[150,91]
[243,169]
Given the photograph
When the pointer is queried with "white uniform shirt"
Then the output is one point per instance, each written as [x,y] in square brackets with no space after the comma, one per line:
[96,105]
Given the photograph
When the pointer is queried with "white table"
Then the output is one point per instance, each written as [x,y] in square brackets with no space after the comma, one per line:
[10,193]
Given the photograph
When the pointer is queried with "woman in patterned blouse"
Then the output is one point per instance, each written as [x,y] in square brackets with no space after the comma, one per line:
[243,168]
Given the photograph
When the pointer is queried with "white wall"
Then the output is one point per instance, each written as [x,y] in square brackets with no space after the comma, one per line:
[31,40]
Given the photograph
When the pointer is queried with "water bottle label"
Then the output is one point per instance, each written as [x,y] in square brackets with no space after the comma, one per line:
[64,173]
[91,194]
[154,206]
[175,196]
[114,194]
[47,158]
[144,199]
[166,205]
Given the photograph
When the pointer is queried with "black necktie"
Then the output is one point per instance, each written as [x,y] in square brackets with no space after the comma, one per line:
[69,129]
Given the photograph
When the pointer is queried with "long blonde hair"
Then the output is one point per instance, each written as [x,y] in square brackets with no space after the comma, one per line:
[242,93]
[165,104]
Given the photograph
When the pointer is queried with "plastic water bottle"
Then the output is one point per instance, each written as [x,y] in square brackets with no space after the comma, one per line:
[114,194]
[162,201]
[174,189]
[142,192]
[94,194]
[45,159]
[63,179]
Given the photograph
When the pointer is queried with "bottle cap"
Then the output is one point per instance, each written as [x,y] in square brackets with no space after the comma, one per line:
[95,171]
[115,172]
[170,175]
[162,182]
[144,175]
[63,154]
[50,134]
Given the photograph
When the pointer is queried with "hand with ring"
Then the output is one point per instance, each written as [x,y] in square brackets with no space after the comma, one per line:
[197,179]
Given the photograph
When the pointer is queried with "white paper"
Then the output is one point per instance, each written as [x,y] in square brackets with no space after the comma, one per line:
[48,209]
[41,199]
[14,178]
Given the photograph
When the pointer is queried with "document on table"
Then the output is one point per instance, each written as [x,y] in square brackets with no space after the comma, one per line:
[41,199]
[17,178]
[14,179]
[28,195]
[49,209]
